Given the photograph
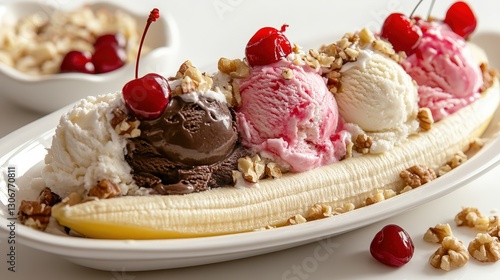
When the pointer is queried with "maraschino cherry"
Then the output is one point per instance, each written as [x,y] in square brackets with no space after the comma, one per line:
[392,246]
[267,46]
[461,19]
[109,54]
[77,61]
[148,96]
[402,32]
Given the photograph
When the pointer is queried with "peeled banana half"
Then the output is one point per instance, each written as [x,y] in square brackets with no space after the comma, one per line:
[231,210]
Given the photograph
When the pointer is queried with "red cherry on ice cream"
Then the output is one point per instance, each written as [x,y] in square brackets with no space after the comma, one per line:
[267,46]
[148,96]
[392,246]
[461,19]
[401,32]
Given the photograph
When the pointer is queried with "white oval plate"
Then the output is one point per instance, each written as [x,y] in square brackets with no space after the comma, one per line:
[24,150]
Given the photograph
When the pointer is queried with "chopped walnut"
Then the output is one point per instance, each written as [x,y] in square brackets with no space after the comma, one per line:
[34,214]
[451,254]
[489,76]
[406,189]
[417,175]
[485,248]
[363,144]
[235,68]
[287,74]
[438,233]
[457,159]
[471,217]
[319,211]
[476,145]
[295,220]
[494,226]
[379,196]
[344,209]
[333,80]
[252,168]
[48,197]
[105,189]
[125,125]
[444,169]
[425,118]
[192,80]
[273,170]
[348,148]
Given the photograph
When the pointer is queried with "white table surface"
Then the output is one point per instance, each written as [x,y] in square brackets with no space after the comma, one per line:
[215,28]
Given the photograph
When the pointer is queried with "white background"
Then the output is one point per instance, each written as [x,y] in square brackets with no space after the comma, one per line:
[214,28]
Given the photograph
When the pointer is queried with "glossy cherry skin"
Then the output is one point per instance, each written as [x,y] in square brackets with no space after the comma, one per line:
[77,61]
[267,45]
[400,31]
[461,19]
[392,246]
[116,39]
[147,97]
[108,58]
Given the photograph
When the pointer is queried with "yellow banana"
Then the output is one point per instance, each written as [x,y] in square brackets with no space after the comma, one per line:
[231,210]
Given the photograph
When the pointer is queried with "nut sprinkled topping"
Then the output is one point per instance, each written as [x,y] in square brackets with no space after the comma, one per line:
[451,254]
[105,189]
[295,220]
[191,80]
[363,144]
[287,74]
[485,248]
[455,161]
[125,124]
[252,168]
[273,170]
[235,68]
[417,175]
[379,196]
[425,119]
[36,214]
[489,76]
[347,50]
[438,233]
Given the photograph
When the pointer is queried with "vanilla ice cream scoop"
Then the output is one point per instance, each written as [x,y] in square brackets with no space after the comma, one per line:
[376,96]
[86,149]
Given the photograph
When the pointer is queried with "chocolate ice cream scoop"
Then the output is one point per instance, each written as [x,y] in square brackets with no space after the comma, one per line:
[193,130]
[192,147]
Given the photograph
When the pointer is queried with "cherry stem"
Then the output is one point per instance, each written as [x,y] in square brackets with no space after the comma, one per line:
[430,10]
[415,9]
[153,16]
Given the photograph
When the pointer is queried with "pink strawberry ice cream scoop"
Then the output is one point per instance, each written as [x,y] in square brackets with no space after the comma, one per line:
[443,66]
[287,114]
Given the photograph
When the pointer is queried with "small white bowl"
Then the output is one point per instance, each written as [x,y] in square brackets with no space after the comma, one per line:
[45,94]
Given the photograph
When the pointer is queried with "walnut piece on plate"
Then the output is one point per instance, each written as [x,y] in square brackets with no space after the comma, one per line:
[451,254]
[485,248]
[437,233]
